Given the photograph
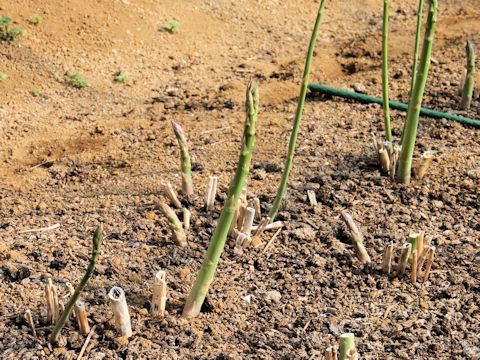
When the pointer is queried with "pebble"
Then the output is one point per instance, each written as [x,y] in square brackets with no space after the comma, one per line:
[273,295]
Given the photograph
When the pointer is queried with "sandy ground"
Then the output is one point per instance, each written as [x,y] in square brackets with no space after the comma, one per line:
[80,157]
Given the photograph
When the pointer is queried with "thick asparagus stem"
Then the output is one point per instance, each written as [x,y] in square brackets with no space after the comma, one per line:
[413,113]
[97,239]
[298,117]
[217,243]
[187,186]
[386,106]
[467,92]
[346,343]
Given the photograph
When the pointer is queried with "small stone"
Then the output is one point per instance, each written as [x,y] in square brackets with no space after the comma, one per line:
[359,88]
[42,206]
[273,295]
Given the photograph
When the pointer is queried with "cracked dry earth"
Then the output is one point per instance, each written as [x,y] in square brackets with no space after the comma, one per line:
[98,155]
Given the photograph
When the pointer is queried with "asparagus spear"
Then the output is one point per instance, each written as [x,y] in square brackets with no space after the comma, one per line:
[469,79]
[413,113]
[217,243]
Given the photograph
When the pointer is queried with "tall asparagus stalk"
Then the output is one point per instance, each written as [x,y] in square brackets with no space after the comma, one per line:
[187,187]
[386,106]
[469,79]
[415,56]
[413,113]
[217,243]
[97,239]
[298,116]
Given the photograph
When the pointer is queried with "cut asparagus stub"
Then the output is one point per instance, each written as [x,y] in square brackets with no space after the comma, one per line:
[178,233]
[29,318]
[331,353]
[248,221]
[414,267]
[186,219]
[430,256]
[424,164]
[346,344]
[159,294]
[357,238]
[211,192]
[82,319]
[413,240]
[51,298]
[312,198]
[258,210]
[387,259]
[120,311]
[467,92]
[402,264]
[171,195]
[384,160]
[187,186]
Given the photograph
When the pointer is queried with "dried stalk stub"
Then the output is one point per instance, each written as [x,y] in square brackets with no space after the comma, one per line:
[187,185]
[51,298]
[175,225]
[425,161]
[402,264]
[171,195]
[159,294]
[82,319]
[120,311]
[357,238]
[428,265]
[387,259]
[211,192]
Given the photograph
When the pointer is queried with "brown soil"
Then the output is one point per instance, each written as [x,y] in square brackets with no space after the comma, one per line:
[97,155]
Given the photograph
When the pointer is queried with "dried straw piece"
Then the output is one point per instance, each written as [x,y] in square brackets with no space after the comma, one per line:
[29,318]
[256,241]
[357,238]
[258,210]
[85,344]
[387,259]
[82,319]
[186,219]
[428,266]
[178,233]
[171,194]
[272,226]
[120,311]
[271,240]
[405,255]
[211,192]
[312,198]
[159,294]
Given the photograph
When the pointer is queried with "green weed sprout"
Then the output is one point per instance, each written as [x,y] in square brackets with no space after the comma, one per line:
[172,26]
[467,92]
[217,243]
[121,78]
[97,240]
[3,76]
[36,91]
[9,34]
[409,137]
[386,106]
[36,19]
[77,81]
[282,188]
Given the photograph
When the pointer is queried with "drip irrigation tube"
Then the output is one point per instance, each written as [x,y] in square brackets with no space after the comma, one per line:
[366,99]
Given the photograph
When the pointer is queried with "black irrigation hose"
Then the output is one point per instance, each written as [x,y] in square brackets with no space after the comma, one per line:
[366,99]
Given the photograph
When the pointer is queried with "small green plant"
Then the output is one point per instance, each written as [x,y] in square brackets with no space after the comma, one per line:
[7,33]
[77,81]
[36,92]
[36,19]
[3,76]
[121,77]
[172,26]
